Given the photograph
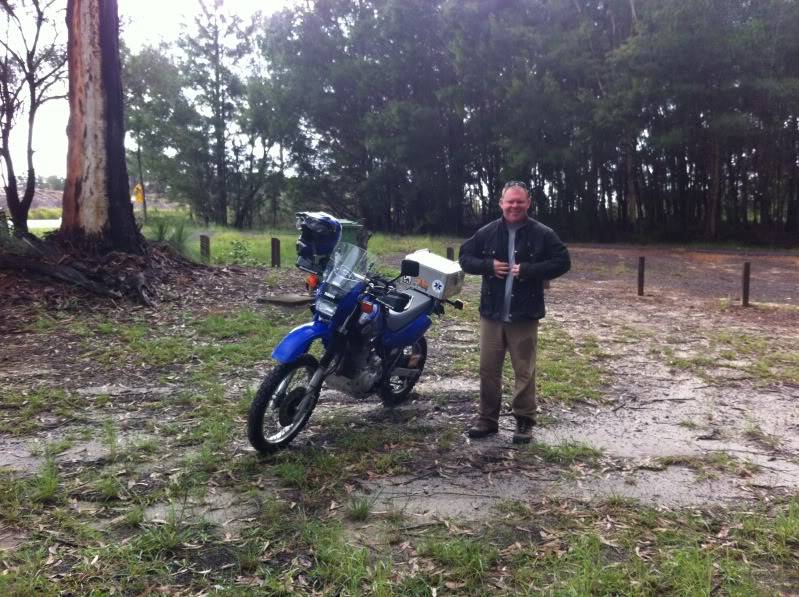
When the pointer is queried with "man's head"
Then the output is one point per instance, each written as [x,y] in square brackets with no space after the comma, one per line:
[515,202]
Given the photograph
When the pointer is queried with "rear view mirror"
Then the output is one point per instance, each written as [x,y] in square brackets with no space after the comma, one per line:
[409,268]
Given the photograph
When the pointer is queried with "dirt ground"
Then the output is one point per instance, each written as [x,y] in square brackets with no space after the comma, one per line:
[696,404]
[661,426]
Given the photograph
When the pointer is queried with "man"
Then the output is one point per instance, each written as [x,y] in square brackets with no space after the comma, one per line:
[515,254]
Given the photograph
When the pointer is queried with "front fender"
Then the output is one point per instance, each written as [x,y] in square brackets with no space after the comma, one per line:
[298,340]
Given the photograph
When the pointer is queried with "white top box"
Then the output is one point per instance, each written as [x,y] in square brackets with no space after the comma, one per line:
[438,277]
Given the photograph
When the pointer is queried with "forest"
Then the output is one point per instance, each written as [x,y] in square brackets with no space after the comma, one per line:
[630,120]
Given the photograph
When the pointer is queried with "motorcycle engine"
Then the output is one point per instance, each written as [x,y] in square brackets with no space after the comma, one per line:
[359,375]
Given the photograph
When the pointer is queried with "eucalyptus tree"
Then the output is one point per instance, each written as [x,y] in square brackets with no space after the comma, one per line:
[153,99]
[97,212]
[211,50]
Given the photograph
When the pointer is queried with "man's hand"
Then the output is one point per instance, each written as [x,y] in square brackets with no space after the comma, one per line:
[501,269]
[514,271]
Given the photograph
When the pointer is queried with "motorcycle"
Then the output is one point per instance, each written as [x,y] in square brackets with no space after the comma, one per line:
[373,332]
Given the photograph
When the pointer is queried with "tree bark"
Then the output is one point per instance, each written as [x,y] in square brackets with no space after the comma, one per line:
[97,212]
[713,209]
[220,159]
[792,215]
[633,194]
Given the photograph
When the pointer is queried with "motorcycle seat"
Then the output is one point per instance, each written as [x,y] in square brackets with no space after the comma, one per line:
[418,304]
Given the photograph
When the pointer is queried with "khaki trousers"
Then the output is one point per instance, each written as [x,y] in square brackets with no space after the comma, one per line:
[519,338]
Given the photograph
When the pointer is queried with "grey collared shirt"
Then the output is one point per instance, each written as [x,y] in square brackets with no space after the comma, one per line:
[512,228]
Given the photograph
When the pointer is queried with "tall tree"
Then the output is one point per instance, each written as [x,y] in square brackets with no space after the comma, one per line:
[97,211]
[153,101]
[216,43]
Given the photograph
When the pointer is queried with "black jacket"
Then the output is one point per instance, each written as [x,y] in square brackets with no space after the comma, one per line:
[540,254]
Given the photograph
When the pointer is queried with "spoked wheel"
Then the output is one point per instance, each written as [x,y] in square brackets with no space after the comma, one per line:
[282,405]
[396,389]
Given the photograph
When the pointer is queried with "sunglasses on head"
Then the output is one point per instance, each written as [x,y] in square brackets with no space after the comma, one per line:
[515,183]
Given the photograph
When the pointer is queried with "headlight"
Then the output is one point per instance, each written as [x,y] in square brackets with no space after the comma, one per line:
[325,307]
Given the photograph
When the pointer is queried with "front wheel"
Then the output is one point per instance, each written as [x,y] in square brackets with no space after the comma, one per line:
[282,406]
[399,382]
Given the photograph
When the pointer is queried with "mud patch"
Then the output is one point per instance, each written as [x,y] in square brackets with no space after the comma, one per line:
[464,498]
[121,390]
[439,385]
[230,511]
[15,455]
[11,539]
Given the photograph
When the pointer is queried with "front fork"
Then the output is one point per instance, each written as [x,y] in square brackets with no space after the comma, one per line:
[327,364]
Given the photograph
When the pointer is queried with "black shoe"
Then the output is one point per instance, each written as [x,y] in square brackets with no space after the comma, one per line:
[524,430]
[482,429]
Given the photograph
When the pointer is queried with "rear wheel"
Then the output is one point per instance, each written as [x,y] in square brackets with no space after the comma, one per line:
[396,388]
[282,405]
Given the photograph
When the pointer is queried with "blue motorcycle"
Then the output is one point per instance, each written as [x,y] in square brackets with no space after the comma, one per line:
[373,333]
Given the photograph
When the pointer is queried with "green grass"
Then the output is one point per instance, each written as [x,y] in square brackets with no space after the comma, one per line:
[774,538]
[244,247]
[367,451]
[45,213]
[568,452]
[384,244]
[208,345]
[567,370]
[358,508]
[468,561]
[22,407]
[548,547]
[111,439]
[754,432]
[709,465]
[108,486]
[627,548]
[18,495]
[341,568]
[762,358]
[28,576]
[228,246]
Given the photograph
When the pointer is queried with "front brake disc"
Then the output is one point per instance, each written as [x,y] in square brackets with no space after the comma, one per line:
[288,406]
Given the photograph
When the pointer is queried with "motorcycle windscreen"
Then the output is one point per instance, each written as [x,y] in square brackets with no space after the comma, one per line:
[348,267]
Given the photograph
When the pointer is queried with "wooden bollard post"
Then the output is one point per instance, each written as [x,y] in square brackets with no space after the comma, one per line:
[205,248]
[451,253]
[747,272]
[275,252]
[641,266]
